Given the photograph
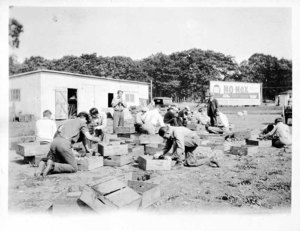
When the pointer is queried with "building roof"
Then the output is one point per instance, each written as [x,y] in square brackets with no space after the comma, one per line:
[75,74]
[286,92]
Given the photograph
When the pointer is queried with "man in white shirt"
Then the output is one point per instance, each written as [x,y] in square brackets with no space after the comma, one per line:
[149,120]
[280,134]
[45,128]
[119,105]
[222,125]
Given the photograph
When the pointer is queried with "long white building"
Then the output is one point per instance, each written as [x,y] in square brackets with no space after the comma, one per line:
[66,93]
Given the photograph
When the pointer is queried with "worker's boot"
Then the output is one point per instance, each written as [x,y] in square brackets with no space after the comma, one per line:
[40,170]
[49,168]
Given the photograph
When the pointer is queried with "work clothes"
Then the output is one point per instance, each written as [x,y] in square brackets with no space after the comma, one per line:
[172,119]
[61,148]
[148,122]
[281,135]
[97,127]
[45,130]
[118,118]
[182,140]
[212,108]
[222,125]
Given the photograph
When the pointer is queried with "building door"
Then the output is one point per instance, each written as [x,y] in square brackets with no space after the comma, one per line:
[110,98]
[61,104]
[72,103]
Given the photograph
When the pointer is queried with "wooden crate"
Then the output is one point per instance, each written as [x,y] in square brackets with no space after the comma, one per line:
[118,193]
[89,163]
[148,163]
[242,134]
[151,139]
[212,137]
[260,143]
[32,149]
[244,150]
[14,141]
[151,149]
[112,150]
[125,130]
[118,160]
[150,192]
[138,150]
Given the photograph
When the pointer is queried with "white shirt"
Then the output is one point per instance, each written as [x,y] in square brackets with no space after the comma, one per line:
[223,119]
[45,129]
[153,117]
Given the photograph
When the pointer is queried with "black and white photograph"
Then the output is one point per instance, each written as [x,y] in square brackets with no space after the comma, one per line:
[151,109]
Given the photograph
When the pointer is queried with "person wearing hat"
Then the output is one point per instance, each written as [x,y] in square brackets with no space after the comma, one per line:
[280,134]
[184,143]
[118,103]
[212,108]
[287,111]
[184,115]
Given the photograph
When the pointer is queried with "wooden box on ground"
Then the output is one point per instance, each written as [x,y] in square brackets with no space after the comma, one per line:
[136,151]
[14,141]
[89,163]
[34,160]
[244,150]
[125,130]
[110,194]
[118,160]
[151,149]
[150,139]
[150,192]
[112,150]
[148,163]
[32,149]
[260,143]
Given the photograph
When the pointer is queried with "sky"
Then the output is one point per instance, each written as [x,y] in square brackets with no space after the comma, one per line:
[53,32]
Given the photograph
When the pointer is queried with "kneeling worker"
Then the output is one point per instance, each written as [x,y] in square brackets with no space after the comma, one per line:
[222,125]
[184,142]
[61,158]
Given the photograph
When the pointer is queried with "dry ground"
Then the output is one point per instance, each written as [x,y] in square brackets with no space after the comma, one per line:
[257,184]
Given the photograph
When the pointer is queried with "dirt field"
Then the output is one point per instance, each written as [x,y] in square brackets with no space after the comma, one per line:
[248,184]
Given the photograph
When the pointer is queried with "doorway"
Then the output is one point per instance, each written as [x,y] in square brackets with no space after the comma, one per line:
[110,98]
[72,103]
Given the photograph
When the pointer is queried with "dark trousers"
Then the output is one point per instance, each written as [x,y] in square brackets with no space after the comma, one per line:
[62,155]
[118,120]
[213,120]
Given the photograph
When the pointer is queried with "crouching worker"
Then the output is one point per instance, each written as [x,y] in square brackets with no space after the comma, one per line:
[184,142]
[61,158]
[222,125]
[280,134]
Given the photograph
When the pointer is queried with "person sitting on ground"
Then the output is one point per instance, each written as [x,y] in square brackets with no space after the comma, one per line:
[61,158]
[222,125]
[202,117]
[184,142]
[45,128]
[185,115]
[280,134]
[171,118]
[98,123]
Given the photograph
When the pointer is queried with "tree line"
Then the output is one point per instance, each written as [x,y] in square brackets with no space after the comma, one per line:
[180,75]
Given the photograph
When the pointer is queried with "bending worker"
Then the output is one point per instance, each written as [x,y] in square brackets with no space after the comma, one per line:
[184,142]
[61,158]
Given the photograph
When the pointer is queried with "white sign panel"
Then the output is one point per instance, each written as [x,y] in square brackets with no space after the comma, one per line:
[236,93]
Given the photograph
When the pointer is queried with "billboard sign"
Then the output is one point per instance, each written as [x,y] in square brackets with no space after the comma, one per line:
[236,93]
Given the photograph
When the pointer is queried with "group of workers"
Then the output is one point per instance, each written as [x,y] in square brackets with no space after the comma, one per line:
[181,141]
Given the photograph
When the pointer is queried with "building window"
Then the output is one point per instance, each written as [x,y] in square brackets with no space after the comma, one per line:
[15,95]
[129,98]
